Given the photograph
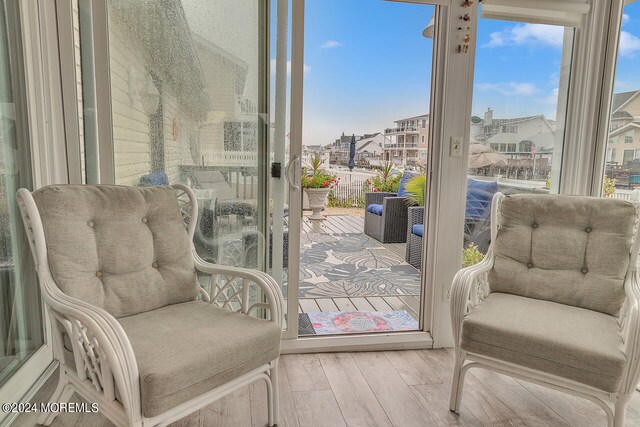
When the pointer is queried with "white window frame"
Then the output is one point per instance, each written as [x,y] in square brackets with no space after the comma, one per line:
[48,160]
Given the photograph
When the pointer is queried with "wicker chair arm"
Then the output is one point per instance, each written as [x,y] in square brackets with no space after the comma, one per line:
[629,320]
[100,345]
[415,215]
[266,283]
[469,288]
[376,198]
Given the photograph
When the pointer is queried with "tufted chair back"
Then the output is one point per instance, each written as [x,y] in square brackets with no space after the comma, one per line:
[566,249]
[123,249]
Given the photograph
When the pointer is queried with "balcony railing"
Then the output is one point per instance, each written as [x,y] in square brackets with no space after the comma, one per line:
[401,146]
[401,129]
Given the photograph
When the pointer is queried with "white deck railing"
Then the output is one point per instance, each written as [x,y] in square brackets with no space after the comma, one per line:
[351,184]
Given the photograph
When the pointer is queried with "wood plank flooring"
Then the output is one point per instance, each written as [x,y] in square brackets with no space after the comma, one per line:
[391,388]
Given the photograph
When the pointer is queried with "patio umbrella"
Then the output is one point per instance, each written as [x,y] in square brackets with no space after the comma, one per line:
[352,153]
[481,156]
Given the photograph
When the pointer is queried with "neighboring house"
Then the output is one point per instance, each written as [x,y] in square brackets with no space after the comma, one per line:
[624,129]
[519,139]
[369,149]
[407,143]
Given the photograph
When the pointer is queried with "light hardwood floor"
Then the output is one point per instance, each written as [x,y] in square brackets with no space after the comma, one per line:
[391,388]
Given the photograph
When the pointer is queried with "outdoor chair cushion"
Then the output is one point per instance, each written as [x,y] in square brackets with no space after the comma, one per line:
[123,249]
[402,188]
[418,229]
[375,209]
[154,178]
[184,350]
[571,342]
[568,249]
[479,196]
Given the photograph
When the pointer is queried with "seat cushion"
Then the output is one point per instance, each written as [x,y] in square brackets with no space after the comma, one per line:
[418,229]
[568,249]
[187,349]
[123,249]
[375,209]
[571,342]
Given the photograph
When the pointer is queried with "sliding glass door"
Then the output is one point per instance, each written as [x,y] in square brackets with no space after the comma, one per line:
[22,331]
[188,103]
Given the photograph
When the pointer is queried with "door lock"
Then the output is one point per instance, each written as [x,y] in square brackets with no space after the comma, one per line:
[276,170]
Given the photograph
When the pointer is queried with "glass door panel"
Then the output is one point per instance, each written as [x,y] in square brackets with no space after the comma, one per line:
[622,160]
[365,130]
[517,128]
[21,322]
[187,94]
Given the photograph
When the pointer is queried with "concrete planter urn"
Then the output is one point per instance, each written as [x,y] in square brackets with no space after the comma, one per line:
[317,201]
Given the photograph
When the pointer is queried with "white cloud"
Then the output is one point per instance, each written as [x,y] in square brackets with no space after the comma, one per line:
[330,44]
[509,88]
[629,44]
[625,18]
[549,35]
[307,69]
[551,98]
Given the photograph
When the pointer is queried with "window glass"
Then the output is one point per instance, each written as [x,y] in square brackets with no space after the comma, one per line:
[185,89]
[622,167]
[517,128]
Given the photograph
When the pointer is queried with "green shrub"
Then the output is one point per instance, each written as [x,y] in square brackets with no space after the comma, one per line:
[471,255]
[415,188]
[609,186]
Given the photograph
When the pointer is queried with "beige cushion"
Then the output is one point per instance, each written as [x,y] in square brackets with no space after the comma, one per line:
[187,349]
[571,342]
[571,250]
[124,249]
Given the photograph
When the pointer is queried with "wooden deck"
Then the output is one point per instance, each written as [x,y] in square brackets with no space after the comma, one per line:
[341,224]
[409,303]
[345,224]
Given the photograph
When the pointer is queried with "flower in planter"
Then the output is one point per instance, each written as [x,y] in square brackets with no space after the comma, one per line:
[385,181]
[320,179]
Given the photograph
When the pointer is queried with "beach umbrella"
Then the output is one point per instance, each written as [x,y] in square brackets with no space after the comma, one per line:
[481,156]
[352,153]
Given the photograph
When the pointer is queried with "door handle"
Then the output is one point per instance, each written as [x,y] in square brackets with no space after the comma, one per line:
[292,176]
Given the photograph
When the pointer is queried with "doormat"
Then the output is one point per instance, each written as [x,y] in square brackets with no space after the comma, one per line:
[358,322]
[304,325]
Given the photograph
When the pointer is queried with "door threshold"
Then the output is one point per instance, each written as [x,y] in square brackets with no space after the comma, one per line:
[371,342]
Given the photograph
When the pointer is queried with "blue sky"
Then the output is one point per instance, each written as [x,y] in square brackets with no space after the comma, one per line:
[367,64]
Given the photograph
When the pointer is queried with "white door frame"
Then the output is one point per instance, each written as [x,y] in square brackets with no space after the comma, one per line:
[48,162]
[398,340]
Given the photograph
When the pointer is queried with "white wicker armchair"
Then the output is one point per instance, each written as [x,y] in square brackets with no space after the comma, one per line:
[539,319]
[146,342]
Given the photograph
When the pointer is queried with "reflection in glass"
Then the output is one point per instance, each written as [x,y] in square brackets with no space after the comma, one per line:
[185,97]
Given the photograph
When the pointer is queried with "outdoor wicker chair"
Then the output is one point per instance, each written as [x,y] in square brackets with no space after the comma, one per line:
[556,299]
[132,327]
[415,231]
[477,222]
[385,217]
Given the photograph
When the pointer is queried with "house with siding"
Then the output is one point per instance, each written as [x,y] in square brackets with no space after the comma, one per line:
[198,119]
[519,139]
[624,129]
